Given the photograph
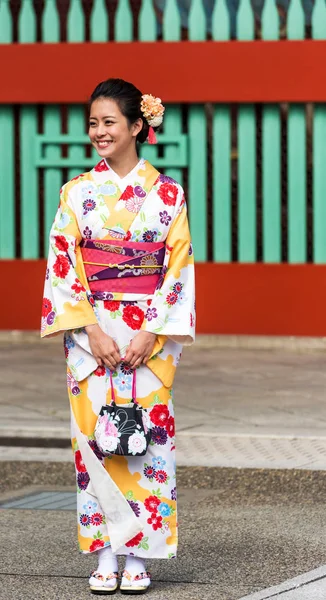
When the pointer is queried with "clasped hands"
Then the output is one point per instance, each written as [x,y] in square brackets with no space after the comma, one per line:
[106,352]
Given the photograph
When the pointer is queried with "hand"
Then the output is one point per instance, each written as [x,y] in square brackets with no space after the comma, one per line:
[103,347]
[140,349]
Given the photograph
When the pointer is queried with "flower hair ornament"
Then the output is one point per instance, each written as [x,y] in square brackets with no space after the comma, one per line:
[153,111]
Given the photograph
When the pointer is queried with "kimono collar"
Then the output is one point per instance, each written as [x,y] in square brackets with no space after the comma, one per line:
[124,207]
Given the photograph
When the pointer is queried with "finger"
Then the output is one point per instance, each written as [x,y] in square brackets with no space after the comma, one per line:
[108,363]
[135,359]
[99,360]
[129,355]
[116,356]
[137,363]
[146,358]
[112,360]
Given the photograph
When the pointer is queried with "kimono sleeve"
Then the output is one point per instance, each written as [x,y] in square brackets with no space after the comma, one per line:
[65,302]
[172,312]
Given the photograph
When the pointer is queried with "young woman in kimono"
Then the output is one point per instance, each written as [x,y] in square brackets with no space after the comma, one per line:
[118,320]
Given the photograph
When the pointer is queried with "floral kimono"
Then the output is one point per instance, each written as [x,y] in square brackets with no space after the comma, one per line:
[126,502]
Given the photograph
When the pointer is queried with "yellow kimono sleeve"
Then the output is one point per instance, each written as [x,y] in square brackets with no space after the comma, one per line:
[66,301]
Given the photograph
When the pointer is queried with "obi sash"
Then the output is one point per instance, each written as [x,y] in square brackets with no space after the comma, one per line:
[117,266]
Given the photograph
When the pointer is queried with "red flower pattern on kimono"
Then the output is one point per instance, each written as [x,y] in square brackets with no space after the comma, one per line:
[61,243]
[168,193]
[170,427]
[127,236]
[100,371]
[155,521]
[101,166]
[61,266]
[46,307]
[135,541]
[159,415]
[111,305]
[80,466]
[133,316]
[96,545]
[161,476]
[151,503]
[128,193]
[96,519]
[78,287]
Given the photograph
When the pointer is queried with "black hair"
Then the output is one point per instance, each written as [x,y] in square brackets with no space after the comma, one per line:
[127,97]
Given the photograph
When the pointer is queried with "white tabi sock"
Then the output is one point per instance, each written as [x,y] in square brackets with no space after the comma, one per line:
[135,565]
[107,561]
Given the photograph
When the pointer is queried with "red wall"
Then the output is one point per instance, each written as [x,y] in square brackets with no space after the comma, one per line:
[231,299]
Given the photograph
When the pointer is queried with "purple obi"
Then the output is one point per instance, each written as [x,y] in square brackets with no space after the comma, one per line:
[117,266]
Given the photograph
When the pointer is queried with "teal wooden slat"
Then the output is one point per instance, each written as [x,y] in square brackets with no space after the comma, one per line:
[6,23]
[147,22]
[75,22]
[29,183]
[198,149]
[7,181]
[271,153]
[171,21]
[297,221]
[246,155]
[222,216]
[319,184]
[173,126]
[27,133]
[197,21]
[173,115]
[198,180]
[52,176]
[7,162]
[27,22]
[76,126]
[318,20]
[99,22]
[319,149]
[221,21]
[297,252]
[123,22]
[50,22]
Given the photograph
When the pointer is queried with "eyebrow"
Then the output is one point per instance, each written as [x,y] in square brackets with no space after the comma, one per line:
[107,117]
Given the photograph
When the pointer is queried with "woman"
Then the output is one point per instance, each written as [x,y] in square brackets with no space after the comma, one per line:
[116,320]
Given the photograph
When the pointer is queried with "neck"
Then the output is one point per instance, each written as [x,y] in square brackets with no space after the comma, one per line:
[123,166]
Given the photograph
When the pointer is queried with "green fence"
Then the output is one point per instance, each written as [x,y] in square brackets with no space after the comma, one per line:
[255,175]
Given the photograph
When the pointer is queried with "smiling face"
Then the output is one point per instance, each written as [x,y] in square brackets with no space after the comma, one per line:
[109,130]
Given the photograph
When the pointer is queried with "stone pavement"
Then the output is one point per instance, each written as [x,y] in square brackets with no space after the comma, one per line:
[243,530]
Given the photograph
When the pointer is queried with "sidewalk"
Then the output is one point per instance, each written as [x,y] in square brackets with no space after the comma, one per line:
[234,407]
[242,530]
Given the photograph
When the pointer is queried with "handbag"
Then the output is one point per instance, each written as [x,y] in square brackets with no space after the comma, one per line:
[123,429]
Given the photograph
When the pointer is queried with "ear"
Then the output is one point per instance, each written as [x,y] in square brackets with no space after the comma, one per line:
[136,127]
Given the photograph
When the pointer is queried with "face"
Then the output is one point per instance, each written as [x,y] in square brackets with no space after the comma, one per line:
[109,130]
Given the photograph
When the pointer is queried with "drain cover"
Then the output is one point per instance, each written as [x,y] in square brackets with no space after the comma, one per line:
[43,501]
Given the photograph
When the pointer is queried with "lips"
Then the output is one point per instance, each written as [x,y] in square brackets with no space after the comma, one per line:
[104,143]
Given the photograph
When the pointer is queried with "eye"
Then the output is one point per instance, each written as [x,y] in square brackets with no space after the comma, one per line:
[92,124]
[108,122]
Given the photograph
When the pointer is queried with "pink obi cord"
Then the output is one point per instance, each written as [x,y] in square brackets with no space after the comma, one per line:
[116,266]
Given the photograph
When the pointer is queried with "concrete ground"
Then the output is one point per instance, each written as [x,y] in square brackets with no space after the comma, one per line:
[242,531]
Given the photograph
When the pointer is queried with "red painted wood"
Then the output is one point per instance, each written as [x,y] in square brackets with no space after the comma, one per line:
[231,298]
[259,71]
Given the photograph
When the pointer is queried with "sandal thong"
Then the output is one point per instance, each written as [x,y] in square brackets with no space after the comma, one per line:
[104,589]
[131,588]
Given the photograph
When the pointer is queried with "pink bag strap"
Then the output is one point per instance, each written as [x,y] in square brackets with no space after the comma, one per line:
[133,390]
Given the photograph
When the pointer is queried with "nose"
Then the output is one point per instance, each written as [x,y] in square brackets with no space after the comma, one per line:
[100,129]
